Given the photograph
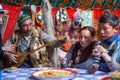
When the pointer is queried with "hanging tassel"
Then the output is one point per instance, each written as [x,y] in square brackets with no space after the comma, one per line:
[55,3]
[40,4]
[76,3]
[15,1]
[93,4]
[28,2]
[116,4]
[104,4]
[71,2]
[20,1]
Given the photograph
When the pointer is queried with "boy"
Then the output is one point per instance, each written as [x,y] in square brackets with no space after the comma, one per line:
[109,48]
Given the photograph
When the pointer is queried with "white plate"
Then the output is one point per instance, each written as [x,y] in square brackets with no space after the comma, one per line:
[72,74]
[9,70]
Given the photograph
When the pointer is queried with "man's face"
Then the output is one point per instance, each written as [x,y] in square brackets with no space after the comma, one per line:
[106,31]
[26,27]
[1,17]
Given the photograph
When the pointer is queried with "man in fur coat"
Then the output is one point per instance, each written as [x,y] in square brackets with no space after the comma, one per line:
[29,38]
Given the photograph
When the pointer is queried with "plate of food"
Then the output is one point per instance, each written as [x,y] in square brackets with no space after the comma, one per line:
[114,76]
[54,74]
[11,69]
[107,78]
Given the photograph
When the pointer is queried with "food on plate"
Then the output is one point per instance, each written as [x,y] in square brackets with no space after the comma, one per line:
[104,50]
[54,74]
[10,69]
[13,68]
[115,75]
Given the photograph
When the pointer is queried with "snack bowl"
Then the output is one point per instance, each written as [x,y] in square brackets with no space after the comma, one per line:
[115,75]
[11,69]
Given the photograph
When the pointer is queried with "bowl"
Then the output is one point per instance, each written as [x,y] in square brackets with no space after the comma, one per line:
[11,69]
[115,75]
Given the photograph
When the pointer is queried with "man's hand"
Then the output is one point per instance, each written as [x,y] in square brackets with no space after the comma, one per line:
[11,57]
[10,47]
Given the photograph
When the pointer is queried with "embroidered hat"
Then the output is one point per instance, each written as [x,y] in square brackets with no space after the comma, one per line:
[1,10]
[23,18]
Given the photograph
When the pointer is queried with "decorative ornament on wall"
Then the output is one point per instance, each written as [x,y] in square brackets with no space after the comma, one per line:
[82,4]
[39,17]
[55,3]
[77,19]
[88,18]
[61,15]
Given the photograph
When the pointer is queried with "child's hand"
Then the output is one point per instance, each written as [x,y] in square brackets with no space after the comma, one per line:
[93,68]
[98,50]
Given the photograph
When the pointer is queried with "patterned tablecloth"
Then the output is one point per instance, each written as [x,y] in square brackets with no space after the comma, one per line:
[25,74]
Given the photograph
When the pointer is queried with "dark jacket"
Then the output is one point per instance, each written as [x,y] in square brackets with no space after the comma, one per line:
[86,58]
[1,51]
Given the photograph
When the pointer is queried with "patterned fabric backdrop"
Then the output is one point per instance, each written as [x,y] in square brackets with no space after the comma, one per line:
[85,4]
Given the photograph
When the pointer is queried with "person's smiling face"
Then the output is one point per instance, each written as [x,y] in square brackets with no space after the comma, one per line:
[85,38]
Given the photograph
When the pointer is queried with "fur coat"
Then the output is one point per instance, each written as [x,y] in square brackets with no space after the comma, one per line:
[38,58]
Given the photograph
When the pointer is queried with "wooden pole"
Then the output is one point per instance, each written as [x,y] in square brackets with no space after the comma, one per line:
[48,22]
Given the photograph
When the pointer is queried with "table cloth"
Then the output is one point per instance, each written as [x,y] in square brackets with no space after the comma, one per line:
[25,74]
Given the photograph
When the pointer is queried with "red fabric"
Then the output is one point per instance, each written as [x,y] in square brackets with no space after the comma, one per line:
[11,1]
[98,13]
[119,32]
[20,1]
[13,15]
[70,13]
[54,12]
